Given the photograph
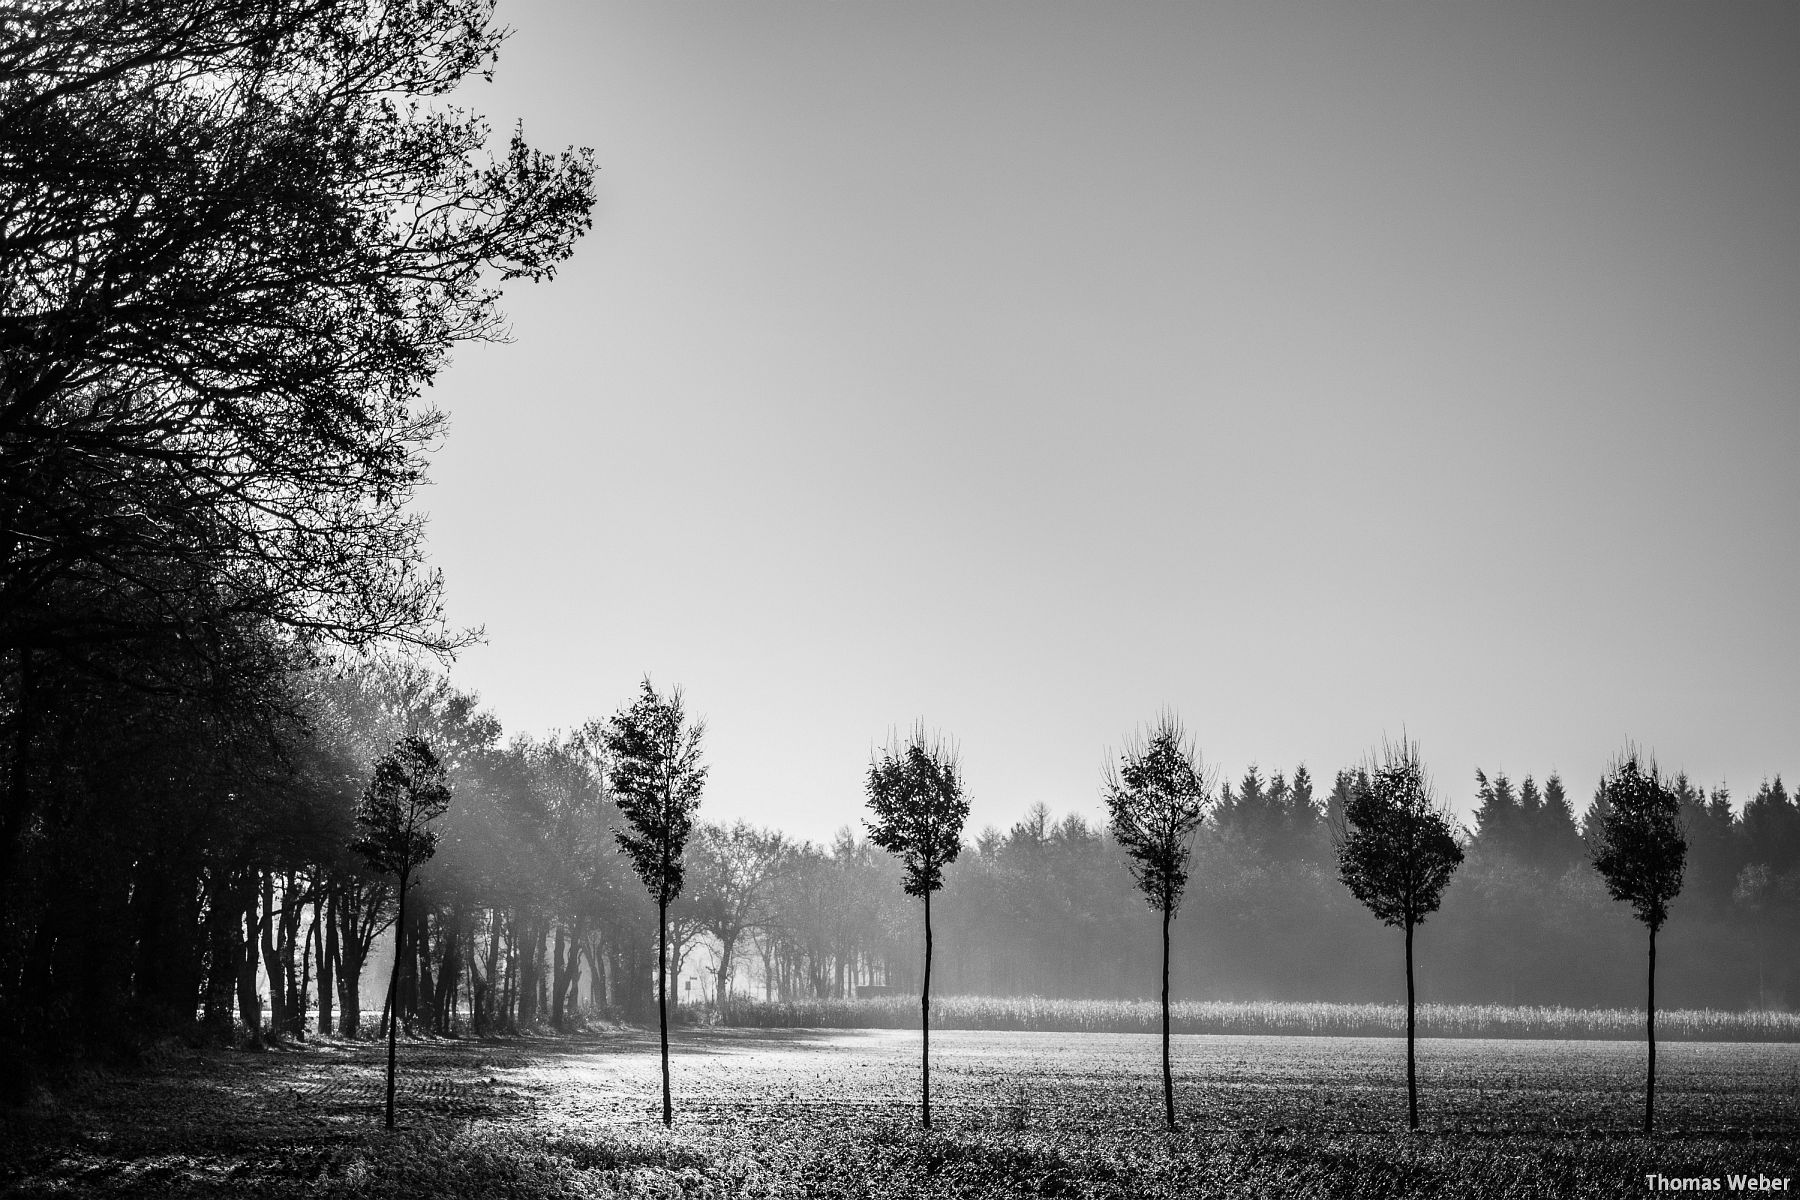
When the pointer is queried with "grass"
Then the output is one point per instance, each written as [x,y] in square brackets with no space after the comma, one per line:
[1312,1018]
[834,1115]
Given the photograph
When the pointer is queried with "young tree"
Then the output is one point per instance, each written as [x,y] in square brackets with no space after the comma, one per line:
[916,793]
[1640,850]
[656,779]
[408,791]
[1396,852]
[1157,797]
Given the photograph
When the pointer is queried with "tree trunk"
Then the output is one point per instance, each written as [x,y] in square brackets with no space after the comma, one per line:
[925,1019]
[249,1002]
[353,953]
[221,966]
[1412,1080]
[662,1002]
[325,919]
[559,979]
[722,988]
[490,1014]
[1650,1037]
[267,932]
[1168,1069]
[306,967]
[393,1024]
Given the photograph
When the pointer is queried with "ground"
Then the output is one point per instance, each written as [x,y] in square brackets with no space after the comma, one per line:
[836,1113]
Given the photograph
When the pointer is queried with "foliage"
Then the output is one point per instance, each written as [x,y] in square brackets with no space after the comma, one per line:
[654,769]
[1157,798]
[239,241]
[1640,849]
[1397,851]
[408,791]
[915,792]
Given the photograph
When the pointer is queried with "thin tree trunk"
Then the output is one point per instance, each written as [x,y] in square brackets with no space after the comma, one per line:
[662,1002]
[325,921]
[267,932]
[393,1022]
[249,1001]
[559,978]
[1650,1034]
[1168,1069]
[1412,1079]
[306,966]
[925,1016]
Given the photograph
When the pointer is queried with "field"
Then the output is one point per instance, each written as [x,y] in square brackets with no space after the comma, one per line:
[834,1113]
[1306,1018]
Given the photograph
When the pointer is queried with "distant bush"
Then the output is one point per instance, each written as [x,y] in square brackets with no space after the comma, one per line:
[1312,1018]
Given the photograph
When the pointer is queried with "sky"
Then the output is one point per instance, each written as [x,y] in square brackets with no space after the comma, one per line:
[1322,372]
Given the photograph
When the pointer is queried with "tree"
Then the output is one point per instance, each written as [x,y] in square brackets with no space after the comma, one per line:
[656,779]
[1640,851]
[408,791]
[734,871]
[237,242]
[1157,797]
[915,791]
[1396,852]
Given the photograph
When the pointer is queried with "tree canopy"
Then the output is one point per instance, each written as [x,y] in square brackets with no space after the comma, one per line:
[1398,849]
[915,792]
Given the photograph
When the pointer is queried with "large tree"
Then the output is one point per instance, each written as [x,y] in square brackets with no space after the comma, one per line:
[1396,851]
[656,776]
[408,791]
[1640,850]
[237,241]
[916,797]
[1157,797]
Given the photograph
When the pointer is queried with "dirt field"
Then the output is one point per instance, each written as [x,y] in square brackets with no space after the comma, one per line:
[834,1113]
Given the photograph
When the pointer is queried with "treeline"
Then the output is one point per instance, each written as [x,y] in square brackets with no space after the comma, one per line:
[238,241]
[1044,907]
[193,873]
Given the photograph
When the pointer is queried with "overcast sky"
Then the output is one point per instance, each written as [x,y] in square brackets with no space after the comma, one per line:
[1315,370]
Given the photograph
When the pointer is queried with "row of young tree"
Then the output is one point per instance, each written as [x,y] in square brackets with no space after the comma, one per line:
[195,857]
[1395,844]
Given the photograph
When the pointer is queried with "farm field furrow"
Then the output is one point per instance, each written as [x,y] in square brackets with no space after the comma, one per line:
[834,1113]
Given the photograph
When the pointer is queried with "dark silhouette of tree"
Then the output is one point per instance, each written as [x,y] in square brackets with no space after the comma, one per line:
[1640,849]
[1772,827]
[1396,854]
[238,242]
[656,778]
[408,791]
[1558,845]
[1157,798]
[1499,818]
[916,795]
